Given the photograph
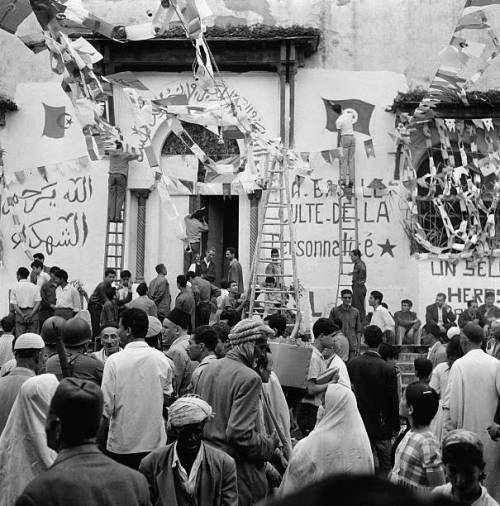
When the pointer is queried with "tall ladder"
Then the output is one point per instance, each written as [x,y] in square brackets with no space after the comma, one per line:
[348,236]
[115,244]
[276,230]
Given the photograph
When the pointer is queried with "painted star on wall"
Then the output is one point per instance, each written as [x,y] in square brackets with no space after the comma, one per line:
[387,247]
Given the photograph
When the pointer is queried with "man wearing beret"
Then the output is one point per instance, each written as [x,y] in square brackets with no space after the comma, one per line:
[81,475]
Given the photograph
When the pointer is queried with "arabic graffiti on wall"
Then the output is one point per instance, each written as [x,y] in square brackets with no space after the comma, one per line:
[52,215]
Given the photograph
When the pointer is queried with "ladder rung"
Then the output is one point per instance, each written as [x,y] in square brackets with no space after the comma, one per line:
[266,260]
[275,275]
[275,188]
[270,204]
[263,290]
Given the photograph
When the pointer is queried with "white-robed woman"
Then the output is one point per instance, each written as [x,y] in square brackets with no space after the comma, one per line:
[24,453]
[338,444]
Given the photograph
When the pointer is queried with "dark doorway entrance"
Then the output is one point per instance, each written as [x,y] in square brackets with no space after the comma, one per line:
[223,221]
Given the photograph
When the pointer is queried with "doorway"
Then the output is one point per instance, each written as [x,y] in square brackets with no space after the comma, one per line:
[223,226]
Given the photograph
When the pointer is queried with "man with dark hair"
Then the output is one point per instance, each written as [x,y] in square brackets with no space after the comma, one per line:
[97,300]
[124,291]
[7,323]
[423,369]
[358,284]
[110,310]
[177,339]
[25,300]
[376,388]
[185,301]
[40,257]
[471,399]
[207,266]
[278,323]
[201,349]
[406,323]
[230,316]
[81,475]
[202,290]
[350,317]
[67,296]
[488,312]
[76,336]
[233,388]
[470,314]
[30,361]
[143,301]
[431,337]
[234,271]
[196,225]
[159,291]
[189,471]
[38,274]
[341,344]
[381,316]
[48,296]
[440,314]
[273,268]
[137,382]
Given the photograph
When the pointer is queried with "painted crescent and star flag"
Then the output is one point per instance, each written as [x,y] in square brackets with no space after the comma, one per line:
[44,131]
[362,114]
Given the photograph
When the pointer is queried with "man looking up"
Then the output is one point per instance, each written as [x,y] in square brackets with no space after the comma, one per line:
[30,361]
[232,388]
[375,385]
[25,299]
[81,475]
[346,141]
[189,471]
[98,298]
[136,381]
[234,270]
[159,292]
[358,284]
[351,322]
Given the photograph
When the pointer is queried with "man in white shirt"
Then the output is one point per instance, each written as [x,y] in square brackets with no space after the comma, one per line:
[201,348]
[345,123]
[471,399]
[38,273]
[25,299]
[381,316]
[137,383]
[67,296]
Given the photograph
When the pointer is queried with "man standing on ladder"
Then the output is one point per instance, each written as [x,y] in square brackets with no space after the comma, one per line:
[345,126]
[358,284]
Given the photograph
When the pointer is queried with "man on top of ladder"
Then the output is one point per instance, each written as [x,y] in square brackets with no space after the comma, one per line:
[345,126]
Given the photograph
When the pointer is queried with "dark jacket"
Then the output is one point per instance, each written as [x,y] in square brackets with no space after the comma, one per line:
[216,481]
[80,365]
[431,315]
[467,317]
[208,271]
[83,476]
[375,385]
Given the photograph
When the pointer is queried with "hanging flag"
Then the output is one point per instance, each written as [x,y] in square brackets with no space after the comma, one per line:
[13,13]
[56,121]
[369,149]
[362,112]
[127,80]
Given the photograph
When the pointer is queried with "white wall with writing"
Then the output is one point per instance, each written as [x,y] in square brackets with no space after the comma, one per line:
[62,217]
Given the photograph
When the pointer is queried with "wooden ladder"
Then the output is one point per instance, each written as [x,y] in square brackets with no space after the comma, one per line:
[115,244]
[276,231]
[348,236]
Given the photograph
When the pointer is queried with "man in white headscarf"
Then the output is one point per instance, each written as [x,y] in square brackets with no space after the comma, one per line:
[232,387]
[189,471]
[24,453]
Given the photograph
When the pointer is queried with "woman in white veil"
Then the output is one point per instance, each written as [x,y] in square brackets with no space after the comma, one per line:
[24,453]
[338,444]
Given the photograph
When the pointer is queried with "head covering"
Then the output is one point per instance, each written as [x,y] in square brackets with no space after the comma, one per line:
[85,316]
[154,327]
[452,331]
[459,436]
[179,318]
[29,341]
[338,444]
[249,330]
[52,329]
[24,453]
[188,410]
[76,332]
[474,333]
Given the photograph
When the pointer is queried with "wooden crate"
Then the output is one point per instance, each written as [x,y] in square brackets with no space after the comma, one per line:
[291,363]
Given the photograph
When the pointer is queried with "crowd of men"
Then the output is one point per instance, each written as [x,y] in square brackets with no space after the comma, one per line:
[148,399]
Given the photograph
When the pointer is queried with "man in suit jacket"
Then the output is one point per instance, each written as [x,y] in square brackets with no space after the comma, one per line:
[375,385]
[81,475]
[440,314]
[208,267]
[214,469]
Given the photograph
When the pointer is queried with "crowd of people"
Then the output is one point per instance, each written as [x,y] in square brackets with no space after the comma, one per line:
[148,399]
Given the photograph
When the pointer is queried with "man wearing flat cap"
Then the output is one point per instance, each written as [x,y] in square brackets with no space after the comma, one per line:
[471,399]
[232,388]
[189,471]
[30,361]
[81,475]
